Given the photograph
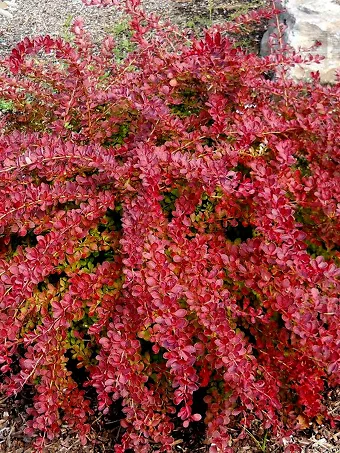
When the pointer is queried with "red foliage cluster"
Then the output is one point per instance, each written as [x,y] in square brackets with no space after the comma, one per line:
[168,223]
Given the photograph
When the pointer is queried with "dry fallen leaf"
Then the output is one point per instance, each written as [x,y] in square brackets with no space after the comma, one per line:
[302,422]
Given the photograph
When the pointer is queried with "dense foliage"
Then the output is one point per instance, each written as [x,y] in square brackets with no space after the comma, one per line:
[169,222]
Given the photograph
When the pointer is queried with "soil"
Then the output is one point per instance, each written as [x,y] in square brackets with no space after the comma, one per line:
[40,17]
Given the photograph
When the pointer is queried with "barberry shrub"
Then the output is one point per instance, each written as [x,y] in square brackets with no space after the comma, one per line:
[169,223]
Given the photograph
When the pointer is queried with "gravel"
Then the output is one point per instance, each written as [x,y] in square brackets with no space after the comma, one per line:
[45,17]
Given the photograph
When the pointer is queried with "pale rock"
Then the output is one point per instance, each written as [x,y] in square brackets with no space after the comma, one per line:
[308,21]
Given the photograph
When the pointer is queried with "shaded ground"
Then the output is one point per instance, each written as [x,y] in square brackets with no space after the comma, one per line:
[317,438]
[36,17]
